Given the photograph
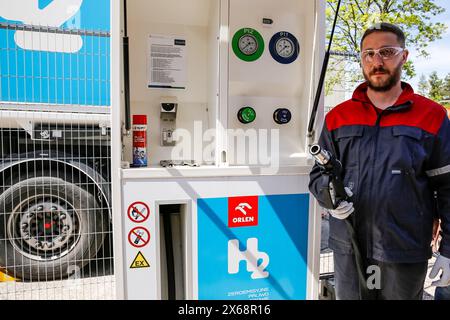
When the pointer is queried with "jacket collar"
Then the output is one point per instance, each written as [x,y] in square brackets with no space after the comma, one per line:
[405,98]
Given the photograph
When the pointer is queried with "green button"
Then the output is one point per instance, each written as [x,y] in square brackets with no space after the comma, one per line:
[246,115]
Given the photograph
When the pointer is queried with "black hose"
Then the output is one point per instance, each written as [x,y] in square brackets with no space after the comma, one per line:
[126,70]
[364,292]
[312,119]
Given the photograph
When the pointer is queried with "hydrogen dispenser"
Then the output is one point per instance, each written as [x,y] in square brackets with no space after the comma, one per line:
[222,210]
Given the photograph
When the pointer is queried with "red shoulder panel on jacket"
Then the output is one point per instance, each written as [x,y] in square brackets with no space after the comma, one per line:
[424,114]
[349,113]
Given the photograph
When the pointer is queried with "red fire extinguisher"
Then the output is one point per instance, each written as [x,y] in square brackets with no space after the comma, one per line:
[139,140]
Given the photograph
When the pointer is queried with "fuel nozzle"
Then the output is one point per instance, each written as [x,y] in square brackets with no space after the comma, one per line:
[330,167]
[322,157]
[326,161]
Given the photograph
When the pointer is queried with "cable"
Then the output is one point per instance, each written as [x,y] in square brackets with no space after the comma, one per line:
[126,70]
[312,119]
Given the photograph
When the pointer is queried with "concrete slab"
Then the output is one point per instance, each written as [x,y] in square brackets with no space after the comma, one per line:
[97,288]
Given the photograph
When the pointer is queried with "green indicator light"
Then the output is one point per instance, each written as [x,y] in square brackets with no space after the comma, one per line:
[246,115]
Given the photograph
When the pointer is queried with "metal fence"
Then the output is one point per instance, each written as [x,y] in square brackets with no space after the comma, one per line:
[55,217]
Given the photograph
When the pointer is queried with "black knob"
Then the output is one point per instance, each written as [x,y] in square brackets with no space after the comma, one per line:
[282,116]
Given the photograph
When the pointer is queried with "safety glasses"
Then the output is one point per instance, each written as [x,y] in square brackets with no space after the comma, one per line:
[385,53]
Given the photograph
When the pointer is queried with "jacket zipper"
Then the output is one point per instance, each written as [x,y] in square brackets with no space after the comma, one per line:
[371,221]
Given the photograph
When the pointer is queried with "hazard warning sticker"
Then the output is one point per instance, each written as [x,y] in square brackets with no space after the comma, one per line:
[139,237]
[139,262]
[138,212]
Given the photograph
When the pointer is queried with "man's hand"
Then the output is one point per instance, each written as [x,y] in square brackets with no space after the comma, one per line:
[444,264]
[344,209]
[436,236]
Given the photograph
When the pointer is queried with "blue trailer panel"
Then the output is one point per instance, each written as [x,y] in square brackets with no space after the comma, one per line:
[35,70]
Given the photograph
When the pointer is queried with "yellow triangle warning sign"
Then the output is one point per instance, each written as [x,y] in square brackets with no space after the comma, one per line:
[139,262]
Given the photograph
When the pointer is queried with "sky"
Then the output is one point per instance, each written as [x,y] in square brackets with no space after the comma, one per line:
[439,59]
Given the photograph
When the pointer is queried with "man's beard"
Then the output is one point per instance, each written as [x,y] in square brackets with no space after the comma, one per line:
[387,84]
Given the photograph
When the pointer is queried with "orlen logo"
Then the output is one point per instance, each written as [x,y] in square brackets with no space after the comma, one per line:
[242,211]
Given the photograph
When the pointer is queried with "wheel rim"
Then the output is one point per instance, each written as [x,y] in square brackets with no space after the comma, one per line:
[44,227]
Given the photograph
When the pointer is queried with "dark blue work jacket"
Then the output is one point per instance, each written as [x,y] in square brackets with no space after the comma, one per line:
[393,161]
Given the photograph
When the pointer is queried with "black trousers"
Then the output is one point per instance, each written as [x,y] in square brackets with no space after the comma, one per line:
[398,281]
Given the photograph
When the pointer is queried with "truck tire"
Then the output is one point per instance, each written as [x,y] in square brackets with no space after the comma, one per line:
[49,228]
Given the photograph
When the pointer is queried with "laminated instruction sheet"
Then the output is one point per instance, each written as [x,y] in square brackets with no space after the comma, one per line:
[167,62]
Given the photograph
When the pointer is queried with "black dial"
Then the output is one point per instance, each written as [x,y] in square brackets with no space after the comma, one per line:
[282,116]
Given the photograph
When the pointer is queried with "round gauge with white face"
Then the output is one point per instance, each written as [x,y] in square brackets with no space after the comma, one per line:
[284,47]
[248,44]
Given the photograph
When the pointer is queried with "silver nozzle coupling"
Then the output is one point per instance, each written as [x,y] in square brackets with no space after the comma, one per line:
[321,156]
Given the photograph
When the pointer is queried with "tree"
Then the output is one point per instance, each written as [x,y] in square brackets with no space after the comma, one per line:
[436,85]
[446,89]
[423,86]
[355,16]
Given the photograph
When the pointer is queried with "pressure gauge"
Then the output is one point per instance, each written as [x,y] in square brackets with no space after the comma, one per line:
[284,47]
[248,44]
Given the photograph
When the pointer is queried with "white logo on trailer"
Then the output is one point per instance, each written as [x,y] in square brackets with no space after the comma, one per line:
[54,15]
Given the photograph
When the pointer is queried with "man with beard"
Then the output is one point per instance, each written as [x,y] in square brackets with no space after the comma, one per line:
[394,146]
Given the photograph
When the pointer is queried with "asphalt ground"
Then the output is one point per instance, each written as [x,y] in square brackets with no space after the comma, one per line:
[326,261]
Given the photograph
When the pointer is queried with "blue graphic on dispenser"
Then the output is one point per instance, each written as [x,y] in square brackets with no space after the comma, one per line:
[240,260]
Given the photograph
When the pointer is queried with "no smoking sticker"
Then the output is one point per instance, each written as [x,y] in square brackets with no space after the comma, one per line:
[138,212]
[139,237]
